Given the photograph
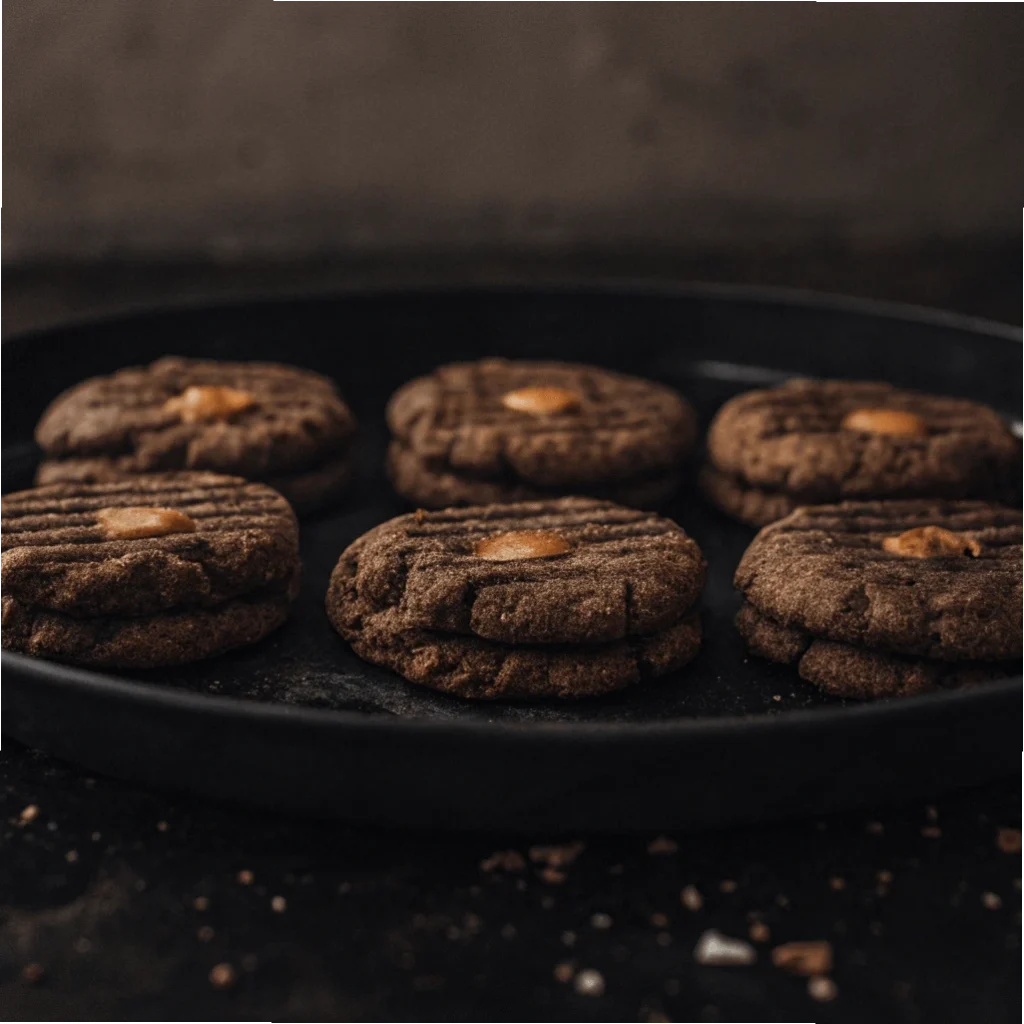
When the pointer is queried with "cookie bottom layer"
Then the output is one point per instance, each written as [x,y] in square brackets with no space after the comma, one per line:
[478,669]
[747,504]
[152,641]
[306,491]
[431,487]
[844,670]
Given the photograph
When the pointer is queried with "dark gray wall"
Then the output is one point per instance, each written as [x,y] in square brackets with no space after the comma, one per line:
[183,128]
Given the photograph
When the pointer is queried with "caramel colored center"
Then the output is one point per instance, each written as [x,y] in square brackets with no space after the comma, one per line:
[208,402]
[132,523]
[508,547]
[885,421]
[931,542]
[541,401]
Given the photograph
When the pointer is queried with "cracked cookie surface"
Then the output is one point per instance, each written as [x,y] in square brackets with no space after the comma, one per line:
[490,430]
[214,564]
[613,605]
[834,589]
[810,442]
[292,429]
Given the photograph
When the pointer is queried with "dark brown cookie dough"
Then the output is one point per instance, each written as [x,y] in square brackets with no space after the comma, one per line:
[261,421]
[566,598]
[429,483]
[845,670]
[748,504]
[810,442]
[882,598]
[149,641]
[157,569]
[497,429]
[824,570]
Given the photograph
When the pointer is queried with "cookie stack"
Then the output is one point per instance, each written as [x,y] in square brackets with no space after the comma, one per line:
[875,599]
[813,442]
[157,570]
[565,598]
[494,430]
[277,424]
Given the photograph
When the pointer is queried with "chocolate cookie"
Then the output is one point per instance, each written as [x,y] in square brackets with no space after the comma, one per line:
[154,570]
[276,424]
[564,598]
[497,431]
[810,442]
[883,598]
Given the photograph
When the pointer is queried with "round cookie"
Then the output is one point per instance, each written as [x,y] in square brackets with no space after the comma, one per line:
[154,570]
[500,429]
[875,598]
[562,598]
[811,442]
[261,421]
[824,569]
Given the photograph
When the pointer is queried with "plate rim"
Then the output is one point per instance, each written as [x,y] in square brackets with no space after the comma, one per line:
[154,696]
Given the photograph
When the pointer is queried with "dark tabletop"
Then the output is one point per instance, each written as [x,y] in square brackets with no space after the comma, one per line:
[118,903]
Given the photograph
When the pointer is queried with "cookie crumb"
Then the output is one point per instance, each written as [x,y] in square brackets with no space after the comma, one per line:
[760,932]
[991,900]
[806,958]
[821,989]
[245,877]
[662,845]
[162,826]
[691,898]
[563,973]
[223,976]
[931,812]
[659,920]
[33,973]
[569,939]
[29,813]
[558,855]
[714,949]
[589,982]
[931,831]
[96,837]
[1008,840]
[503,860]
[874,828]
[71,856]
[600,921]
[551,875]
[728,885]
[836,883]
[205,933]
[508,931]
[279,904]
[201,903]
[883,876]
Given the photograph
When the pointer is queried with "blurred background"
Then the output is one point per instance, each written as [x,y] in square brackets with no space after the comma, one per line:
[178,150]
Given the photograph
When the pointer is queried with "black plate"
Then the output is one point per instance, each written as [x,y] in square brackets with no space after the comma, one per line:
[299,723]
